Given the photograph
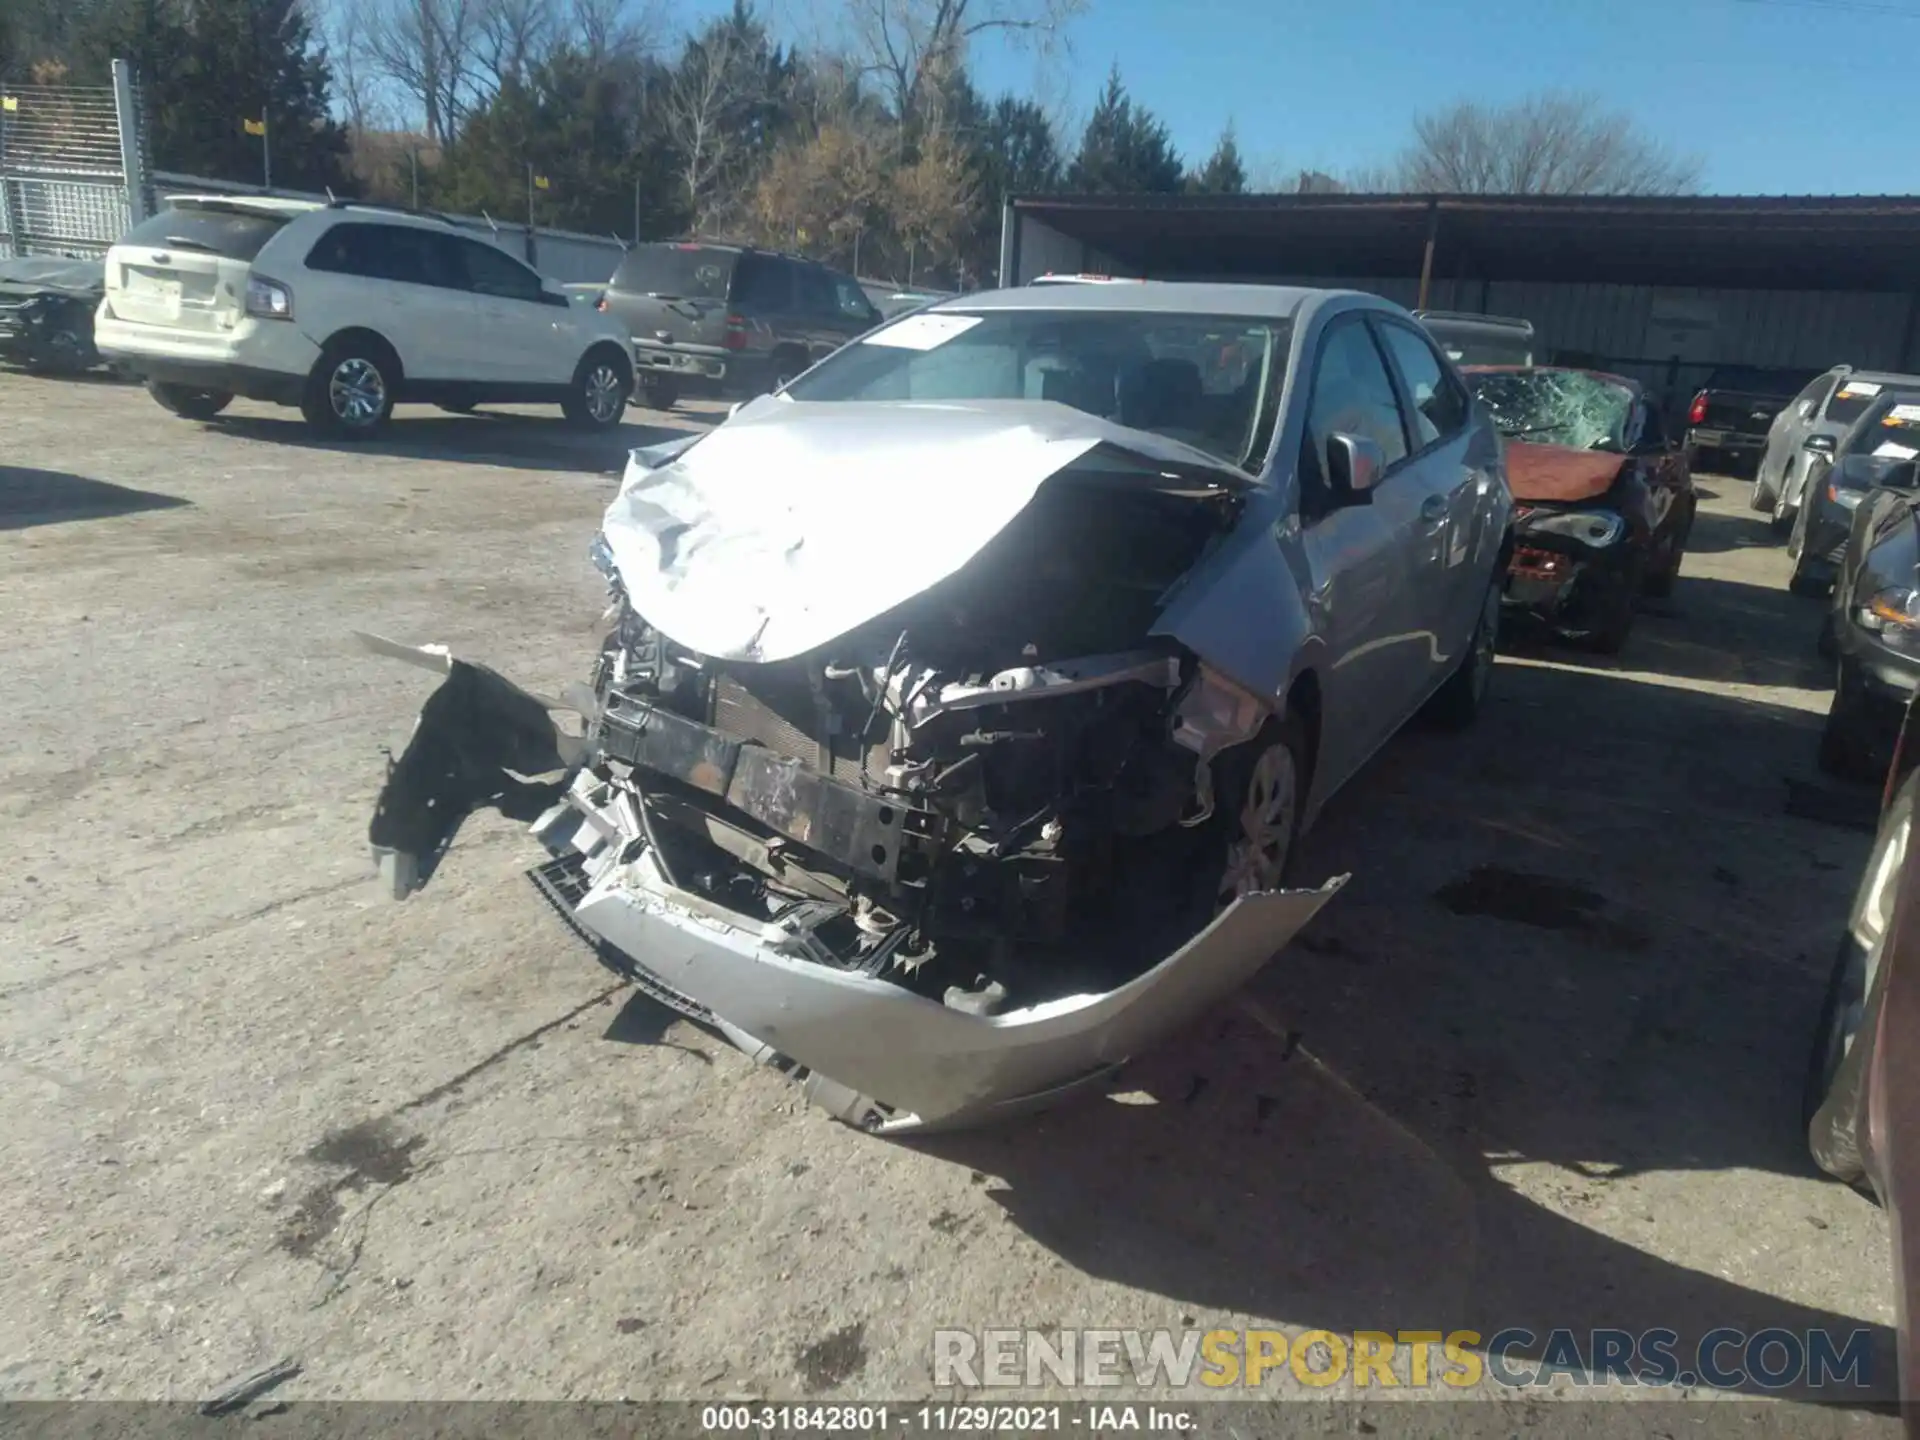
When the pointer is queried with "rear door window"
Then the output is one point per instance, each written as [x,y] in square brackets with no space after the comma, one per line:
[813,288]
[407,254]
[764,282]
[1851,400]
[676,272]
[234,234]
[490,271]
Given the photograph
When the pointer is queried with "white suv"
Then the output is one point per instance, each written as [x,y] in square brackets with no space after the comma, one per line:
[343,309]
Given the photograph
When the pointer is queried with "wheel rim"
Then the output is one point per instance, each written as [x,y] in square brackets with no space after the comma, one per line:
[1257,854]
[603,393]
[357,391]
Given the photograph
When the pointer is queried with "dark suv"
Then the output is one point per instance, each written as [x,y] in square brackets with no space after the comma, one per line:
[729,319]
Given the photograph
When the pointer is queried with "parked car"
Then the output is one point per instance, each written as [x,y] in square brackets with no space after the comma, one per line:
[343,309]
[729,320]
[1732,414]
[46,312]
[949,796]
[1873,451]
[1814,422]
[1860,1101]
[1471,339]
[1872,631]
[1603,498]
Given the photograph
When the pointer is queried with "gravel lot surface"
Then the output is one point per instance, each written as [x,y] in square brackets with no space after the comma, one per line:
[1537,1065]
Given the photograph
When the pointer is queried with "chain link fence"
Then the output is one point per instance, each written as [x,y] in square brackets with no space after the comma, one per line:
[64,187]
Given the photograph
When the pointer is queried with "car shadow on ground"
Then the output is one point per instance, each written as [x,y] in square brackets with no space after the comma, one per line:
[1710,629]
[1715,532]
[1583,944]
[485,438]
[31,497]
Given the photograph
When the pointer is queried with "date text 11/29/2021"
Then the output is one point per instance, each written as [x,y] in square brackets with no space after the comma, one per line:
[968,1419]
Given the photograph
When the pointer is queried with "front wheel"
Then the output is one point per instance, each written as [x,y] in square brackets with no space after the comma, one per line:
[1265,783]
[599,395]
[189,402]
[1762,496]
[1660,580]
[1456,704]
[349,391]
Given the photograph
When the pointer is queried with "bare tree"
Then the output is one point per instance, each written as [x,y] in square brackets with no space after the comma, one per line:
[911,45]
[1546,144]
[511,36]
[720,77]
[430,50]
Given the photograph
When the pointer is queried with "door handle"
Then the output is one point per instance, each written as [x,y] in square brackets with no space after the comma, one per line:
[1433,510]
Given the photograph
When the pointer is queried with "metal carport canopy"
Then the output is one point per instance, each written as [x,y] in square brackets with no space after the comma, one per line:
[1763,242]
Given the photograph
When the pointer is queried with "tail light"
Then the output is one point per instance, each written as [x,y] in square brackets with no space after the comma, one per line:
[1699,410]
[736,338]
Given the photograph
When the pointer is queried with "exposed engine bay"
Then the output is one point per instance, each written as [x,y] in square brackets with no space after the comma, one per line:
[997,793]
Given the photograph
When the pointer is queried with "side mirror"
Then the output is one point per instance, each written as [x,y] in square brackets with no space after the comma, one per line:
[1354,467]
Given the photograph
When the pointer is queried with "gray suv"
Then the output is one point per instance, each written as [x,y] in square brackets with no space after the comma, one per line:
[729,320]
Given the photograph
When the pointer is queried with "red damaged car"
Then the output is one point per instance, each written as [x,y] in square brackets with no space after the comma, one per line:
[1603,500]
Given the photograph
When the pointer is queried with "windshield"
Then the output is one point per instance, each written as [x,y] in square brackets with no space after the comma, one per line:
[1556,407]
[679,272]
[235,234]
[1876,446]
[1210,381]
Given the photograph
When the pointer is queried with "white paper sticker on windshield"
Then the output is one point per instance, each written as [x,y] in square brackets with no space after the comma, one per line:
[1860,387]
[923,332]
[1890,451]
[1902,415]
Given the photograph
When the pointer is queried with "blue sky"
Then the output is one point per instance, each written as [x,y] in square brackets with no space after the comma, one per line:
[1775,96]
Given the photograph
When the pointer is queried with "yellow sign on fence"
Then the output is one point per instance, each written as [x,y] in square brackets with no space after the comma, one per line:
[254,127]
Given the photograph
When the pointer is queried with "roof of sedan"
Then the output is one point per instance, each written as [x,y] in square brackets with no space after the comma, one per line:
[1278,302]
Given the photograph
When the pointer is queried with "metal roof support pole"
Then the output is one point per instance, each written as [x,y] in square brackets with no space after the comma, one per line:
[1426,260]
[1009,244]
[133,165]
[1906,332]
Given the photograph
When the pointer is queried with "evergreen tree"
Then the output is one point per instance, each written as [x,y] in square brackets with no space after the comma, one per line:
[1224,173]
[1125,149]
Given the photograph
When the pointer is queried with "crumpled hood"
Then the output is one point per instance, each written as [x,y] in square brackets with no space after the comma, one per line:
[1559,472]
[795,522]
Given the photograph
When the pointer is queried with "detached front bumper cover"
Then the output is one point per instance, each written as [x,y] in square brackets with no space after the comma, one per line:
[872,1053]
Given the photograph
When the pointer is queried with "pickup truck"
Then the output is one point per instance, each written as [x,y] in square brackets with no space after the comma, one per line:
[1728,423]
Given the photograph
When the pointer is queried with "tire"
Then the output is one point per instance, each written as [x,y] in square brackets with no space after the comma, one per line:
[349,391]
[786,365]
[189,402]
[1260,792]
[601,384]
[1457,703]
[660,392]
[1832,1098]
[1608,634]
[1661,580]
[1801,581]
[1844,751]
[1761,497]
